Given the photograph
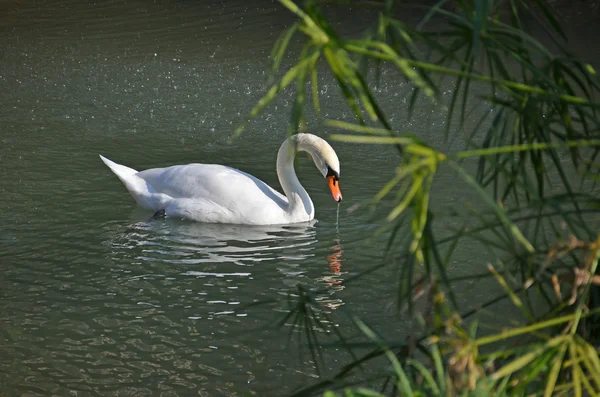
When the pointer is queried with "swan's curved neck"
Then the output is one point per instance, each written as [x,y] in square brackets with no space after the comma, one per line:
[299,202]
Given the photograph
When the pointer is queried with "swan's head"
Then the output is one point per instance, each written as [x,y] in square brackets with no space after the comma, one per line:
[325,159]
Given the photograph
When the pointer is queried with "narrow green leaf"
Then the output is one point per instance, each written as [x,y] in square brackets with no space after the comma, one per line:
[575,370]
[360,87]
[407,199]
[439,368]
[423,151]
[453,100]
[590,356]
[300,98]
[590,69]
[413,100]
[532,374]
[415,166]
[380,140]
[389,245]
[553,21]
[403,381]
[509,291]
[441,265]
[508,85]
[523,330]
[362,392]
[287,78]
[388,187]
[501,213]
[315,90]
[405,66]
[436,8]
[588,386]
[429,381]
[554,372]
[281,46]
[478,25]
[311,27]
[520,362]
[528,147]
[340,75]
[356,127]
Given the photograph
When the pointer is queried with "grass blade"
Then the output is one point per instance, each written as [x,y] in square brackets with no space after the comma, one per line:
[499,211]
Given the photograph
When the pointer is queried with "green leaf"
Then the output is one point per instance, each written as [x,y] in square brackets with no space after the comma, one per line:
[287,78]
[281,46]
[356,127]
[522,361]
[592,362]
[509,291]
[501,213]
[403,381]
[407,199]
[519,363]
[548,13]
[379,140]
[300,98]
[340,74]
[554,372]
[590,69]
[429,381]
[362,392]
[575,371]
[315,90]
[523,330]
[310,28]
[439,368]
[527,147]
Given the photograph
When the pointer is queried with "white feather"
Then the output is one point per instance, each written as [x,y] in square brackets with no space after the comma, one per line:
[220,194]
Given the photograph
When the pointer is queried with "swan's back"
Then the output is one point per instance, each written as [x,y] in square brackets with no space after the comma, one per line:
[216,194]
[215,182]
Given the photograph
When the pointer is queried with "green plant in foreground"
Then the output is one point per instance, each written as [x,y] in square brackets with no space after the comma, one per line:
[549,355]
[537,128]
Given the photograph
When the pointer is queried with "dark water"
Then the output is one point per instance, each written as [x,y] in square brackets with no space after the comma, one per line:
[96,299]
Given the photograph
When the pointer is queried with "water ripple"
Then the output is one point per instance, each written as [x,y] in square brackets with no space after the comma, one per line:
[96,301]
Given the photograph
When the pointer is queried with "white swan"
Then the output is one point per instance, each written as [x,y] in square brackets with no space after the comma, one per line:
[219,194]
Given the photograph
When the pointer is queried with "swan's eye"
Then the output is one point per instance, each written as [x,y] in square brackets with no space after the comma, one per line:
[332,173]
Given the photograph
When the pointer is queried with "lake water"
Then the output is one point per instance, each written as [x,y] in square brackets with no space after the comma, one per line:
[96,299]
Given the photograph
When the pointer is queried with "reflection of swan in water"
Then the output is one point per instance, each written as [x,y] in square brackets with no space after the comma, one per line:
[174,248]
[176,242]
[205,270]
[333,279]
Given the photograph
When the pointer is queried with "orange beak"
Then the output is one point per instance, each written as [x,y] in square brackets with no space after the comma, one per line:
[334,186]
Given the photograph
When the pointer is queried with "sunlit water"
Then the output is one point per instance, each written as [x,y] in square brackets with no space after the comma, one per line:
[96,297]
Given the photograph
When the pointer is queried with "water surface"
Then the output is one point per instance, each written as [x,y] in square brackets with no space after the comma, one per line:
[99,299]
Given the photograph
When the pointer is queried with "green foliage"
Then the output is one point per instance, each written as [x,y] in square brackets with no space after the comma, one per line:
[537,127]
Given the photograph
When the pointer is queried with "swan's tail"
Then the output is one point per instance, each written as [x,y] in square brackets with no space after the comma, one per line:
[124,173]
[140,190]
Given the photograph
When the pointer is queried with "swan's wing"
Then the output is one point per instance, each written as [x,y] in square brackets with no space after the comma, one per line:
[220,184]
